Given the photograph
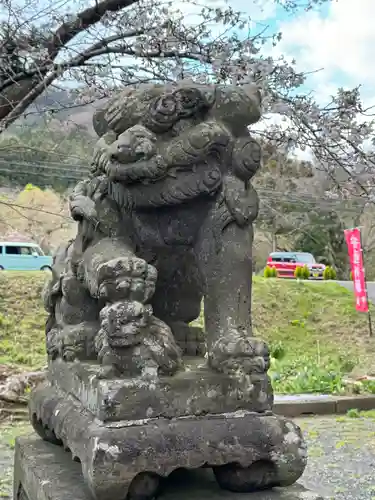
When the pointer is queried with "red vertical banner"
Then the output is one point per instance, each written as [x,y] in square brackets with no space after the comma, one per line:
[353,240]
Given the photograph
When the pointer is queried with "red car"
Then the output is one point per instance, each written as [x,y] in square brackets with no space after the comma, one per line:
[286,263]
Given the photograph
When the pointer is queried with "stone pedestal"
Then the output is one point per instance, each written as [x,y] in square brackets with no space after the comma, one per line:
[130,434]
[196,390]
[44,471]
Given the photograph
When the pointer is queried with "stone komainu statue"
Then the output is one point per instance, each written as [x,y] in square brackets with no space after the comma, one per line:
[165,220]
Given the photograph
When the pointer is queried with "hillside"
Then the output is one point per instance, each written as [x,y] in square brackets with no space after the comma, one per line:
[62,103]
[315,334]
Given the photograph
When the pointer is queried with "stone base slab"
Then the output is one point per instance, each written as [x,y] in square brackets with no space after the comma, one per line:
[44,471]
[133,456]
[195,391]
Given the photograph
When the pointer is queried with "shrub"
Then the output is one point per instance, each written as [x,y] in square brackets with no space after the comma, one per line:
[351,276]
[298,272]
[277,350]
[305,273]
[304,376]
[267,272]
[302,272]
[270,272]
[329,273]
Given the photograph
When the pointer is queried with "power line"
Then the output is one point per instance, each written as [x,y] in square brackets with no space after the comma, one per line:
[305,200]
[79,170]
[46,165]
[43,174]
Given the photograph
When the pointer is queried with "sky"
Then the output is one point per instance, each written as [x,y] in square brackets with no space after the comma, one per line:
[333,42]
[336,39]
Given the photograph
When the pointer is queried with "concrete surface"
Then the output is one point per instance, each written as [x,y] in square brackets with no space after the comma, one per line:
[320,404]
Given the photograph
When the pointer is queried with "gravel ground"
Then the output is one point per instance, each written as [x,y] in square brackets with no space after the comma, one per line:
[341,456]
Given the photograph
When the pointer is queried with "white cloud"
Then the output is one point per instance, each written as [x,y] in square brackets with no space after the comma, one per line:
[341,43]
[256,9]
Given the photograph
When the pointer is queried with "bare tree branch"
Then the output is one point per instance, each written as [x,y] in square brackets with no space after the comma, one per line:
[64,34]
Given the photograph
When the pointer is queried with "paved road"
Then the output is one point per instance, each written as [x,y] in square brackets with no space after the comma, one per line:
[370,288]
[340,467]
[349,286]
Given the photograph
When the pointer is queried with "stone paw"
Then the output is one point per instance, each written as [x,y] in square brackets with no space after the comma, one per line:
[72,342]
[237,352]
[126,278]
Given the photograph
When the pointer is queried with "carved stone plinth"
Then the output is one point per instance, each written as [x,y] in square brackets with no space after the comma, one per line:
[195,391]
[247,451]
[45,472]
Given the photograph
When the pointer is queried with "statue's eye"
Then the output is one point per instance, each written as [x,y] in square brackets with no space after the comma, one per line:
[162,114]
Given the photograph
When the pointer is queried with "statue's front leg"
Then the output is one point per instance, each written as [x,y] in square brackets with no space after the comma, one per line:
[131,340]
[225,257]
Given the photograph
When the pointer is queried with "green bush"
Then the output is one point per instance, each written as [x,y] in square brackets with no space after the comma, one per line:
[270,272]
[298,272]
[306,376]
[277,350]
[267,272]
[302,273]
[329,273]
[305,273]
[274,272]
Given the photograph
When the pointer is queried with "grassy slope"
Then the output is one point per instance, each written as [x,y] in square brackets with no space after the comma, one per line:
[313,330]
[22,319]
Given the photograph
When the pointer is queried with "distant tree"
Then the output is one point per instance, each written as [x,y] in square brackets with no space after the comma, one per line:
[325,240]
[48,156]
[281,182]
[38,215]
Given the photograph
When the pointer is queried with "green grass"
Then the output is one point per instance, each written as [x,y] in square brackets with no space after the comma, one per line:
[315,335]
[22,319]
[9,431]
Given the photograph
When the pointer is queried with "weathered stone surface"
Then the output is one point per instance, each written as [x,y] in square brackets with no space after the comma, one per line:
[113,455]
[45,472]
[165,220]
[195,391]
